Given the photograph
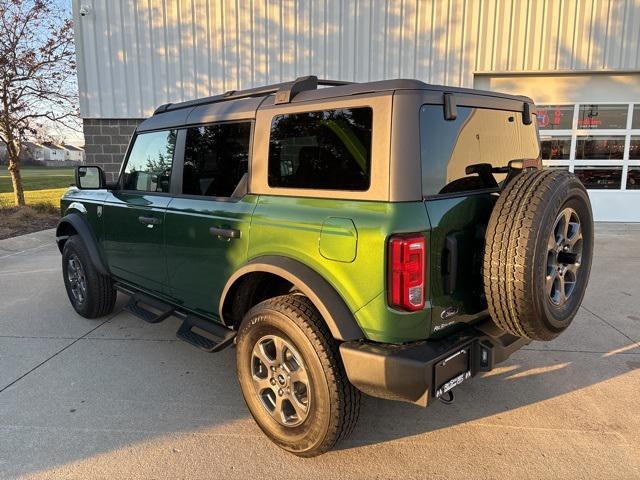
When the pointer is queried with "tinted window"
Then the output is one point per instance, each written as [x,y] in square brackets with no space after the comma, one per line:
[328,150]
[148,168]
[602,116]
[635,123]
[477,136]
[599,178]
[634,148]
[555,148]
[633,178]
[554,117]
[600,148]
[215,159]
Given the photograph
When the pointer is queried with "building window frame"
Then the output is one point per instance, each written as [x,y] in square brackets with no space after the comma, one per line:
[576,133]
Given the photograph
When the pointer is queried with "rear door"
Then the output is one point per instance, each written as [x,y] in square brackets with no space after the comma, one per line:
[207,223]
[133,215]
[459,204]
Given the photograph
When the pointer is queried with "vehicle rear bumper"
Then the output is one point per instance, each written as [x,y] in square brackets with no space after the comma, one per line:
[420,371]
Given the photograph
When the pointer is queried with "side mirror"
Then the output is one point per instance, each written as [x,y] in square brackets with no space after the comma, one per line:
[90,177]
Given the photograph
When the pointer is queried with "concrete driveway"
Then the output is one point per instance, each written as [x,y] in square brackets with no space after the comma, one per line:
[119,398]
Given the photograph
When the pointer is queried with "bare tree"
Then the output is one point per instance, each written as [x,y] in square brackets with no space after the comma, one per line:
[37,75]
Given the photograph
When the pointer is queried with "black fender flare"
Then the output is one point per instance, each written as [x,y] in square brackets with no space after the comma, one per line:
[334,310]
[83,229]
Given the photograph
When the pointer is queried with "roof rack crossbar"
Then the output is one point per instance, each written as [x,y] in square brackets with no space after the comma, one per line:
[284,93]
[333,83]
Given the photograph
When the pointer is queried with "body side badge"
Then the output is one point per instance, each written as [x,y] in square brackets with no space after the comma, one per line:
[449,312]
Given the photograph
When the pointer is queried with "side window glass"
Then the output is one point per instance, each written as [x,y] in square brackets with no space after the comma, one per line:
[329,150]
[459,155]
[215,159]
[148,168]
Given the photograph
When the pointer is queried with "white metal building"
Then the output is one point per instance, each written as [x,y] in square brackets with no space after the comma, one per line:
[579,59]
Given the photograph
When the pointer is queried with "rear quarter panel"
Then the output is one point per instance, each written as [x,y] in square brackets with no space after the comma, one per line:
[292,226]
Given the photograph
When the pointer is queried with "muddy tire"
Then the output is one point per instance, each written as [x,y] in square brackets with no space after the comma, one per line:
[292,377]
[538,251]
[91,294]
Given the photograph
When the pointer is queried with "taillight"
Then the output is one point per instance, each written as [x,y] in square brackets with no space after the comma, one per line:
[407,265]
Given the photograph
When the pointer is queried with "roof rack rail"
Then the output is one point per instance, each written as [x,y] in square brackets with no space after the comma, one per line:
[284,93]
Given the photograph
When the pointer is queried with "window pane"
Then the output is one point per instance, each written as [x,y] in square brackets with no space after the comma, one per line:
[149,165]
[602,116]
[555,117]
[328,150]
[599,148]
[215,159]
[633,178]
[634,148]
[599,178]
[556,167]
[555,148]
[636,116]
[478,138]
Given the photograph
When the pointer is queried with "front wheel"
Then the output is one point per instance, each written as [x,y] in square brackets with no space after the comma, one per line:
[292,377]
[91,293]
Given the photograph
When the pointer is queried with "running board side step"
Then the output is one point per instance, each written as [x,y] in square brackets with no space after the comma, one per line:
[138,303]
[217,336]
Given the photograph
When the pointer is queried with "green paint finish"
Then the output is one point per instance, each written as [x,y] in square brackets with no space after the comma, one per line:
[463,220]
[198,262]
[90,200]
[292,226]
[385,325]
[338,239]
[180,260]
[135,251]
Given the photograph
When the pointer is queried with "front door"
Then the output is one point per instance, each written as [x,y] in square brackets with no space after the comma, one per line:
[207,225]
[134,215]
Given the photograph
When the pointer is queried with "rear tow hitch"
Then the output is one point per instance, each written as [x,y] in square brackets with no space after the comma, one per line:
[447,397]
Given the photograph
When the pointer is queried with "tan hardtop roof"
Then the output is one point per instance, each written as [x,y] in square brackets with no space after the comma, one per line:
[244,103]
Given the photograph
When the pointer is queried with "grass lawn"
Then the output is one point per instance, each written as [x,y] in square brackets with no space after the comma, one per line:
[33,197]
[43,188]
[37,178]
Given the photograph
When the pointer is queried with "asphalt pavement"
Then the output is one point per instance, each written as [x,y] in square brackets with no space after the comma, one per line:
[119,398]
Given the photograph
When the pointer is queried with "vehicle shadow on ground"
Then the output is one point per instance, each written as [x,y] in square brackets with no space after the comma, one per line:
[527,378]
[143,391]
[130,386]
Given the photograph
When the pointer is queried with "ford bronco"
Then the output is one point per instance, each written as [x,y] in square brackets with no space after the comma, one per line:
[392,237]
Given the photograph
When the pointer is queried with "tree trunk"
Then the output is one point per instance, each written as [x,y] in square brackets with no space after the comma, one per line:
[16,178]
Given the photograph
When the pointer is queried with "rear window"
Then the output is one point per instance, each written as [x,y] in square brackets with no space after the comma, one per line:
[328,150]
[477,136]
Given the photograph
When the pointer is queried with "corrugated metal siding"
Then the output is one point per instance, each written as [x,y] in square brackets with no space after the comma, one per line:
[136,54]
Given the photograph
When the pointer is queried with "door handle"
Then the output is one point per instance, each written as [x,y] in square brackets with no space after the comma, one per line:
[224,232]
[149,220]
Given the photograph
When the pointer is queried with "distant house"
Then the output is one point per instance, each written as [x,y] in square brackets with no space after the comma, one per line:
[74,154]
[53,152]
[33,151]
[50,153]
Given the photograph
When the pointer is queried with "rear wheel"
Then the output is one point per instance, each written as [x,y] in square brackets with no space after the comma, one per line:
[91,293]
[292,378]
[538,250]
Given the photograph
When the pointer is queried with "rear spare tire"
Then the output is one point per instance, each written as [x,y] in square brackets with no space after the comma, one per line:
[538,250]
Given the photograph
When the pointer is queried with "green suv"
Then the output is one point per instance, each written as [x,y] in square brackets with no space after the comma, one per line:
[393,238]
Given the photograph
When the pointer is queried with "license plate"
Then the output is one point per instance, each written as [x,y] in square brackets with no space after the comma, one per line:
[452,371]
[454,382]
